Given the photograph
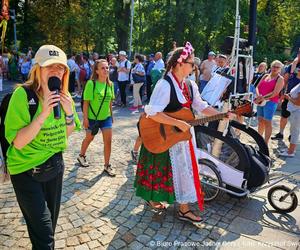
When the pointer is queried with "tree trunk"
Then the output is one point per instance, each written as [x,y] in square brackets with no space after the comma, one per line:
[69,29]
[122,17]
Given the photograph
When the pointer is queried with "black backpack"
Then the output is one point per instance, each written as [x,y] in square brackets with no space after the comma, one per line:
[33,103]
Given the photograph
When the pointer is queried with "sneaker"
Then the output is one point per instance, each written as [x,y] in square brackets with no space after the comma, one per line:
[286,154]
[278,136]
[134,156]
[109,170]
[82,160]
[133,108]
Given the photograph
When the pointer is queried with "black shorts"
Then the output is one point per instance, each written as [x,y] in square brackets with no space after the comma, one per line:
[284,112]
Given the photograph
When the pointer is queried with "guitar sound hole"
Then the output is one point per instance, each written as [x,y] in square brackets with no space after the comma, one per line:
[176,129]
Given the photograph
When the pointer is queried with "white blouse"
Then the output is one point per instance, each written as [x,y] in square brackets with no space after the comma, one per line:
[160,97]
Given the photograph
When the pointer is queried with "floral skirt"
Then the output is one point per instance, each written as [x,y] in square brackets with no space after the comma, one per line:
[154,179]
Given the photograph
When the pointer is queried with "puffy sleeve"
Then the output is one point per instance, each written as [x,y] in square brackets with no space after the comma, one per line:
[198,104]
[160,98]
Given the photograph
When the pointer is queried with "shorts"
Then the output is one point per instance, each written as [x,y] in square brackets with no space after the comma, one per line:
[267,112]
[284,112]
[95,125]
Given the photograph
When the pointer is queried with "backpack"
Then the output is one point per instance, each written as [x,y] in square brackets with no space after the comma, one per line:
[89,71]
[33,102]
[82,74]
[259,167]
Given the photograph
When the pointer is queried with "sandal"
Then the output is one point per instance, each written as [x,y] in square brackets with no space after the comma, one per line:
[182,216]
[148,203]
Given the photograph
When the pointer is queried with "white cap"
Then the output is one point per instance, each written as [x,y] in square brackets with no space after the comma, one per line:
[50,54]
[122,53]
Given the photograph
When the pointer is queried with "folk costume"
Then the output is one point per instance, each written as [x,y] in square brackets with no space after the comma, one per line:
[172,175]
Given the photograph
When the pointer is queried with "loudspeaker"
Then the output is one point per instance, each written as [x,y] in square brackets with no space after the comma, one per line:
[226,47]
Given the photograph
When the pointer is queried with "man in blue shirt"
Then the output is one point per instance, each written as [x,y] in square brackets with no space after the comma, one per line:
[149,66]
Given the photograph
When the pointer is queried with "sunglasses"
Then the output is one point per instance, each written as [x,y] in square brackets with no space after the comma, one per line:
[191,63]
[276,67]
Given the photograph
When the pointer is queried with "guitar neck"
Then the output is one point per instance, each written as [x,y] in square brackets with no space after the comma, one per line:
[207,119]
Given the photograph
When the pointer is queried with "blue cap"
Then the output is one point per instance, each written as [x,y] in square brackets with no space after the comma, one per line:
[151,55]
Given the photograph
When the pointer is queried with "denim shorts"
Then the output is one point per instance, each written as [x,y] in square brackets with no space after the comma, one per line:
[267,112]
[95,125]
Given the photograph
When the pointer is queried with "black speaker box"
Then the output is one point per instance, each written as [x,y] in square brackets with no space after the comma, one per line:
[226,47]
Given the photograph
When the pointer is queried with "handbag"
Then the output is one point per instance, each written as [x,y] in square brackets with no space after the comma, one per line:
[138,78]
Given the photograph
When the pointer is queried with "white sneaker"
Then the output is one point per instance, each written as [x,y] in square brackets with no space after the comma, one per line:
[82,160]
[109,170]
[286,154]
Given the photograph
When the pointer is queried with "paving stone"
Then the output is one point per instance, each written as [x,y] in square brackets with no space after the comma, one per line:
[82,247]
[144,239]
[95,234]
[84,237]
[118,244]
[128,237]
[135,245]
[150,232]
[94,244]
[60,244]
[72,241]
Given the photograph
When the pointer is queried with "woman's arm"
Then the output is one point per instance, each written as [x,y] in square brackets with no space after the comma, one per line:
[85,113]
[277,89]
[27,134]
[295,101]
[165,119]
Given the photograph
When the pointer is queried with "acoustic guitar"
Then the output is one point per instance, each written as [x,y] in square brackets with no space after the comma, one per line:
[159,137]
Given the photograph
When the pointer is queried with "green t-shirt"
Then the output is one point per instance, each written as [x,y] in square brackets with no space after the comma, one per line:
[95,98]
[51,139]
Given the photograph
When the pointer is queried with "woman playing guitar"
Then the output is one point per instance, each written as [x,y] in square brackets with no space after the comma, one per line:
[173,175]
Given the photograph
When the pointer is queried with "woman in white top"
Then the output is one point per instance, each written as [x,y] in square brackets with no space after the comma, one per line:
[139,78]
[168,176]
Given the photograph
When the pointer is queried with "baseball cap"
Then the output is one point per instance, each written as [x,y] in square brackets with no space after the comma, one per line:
[122,53]
[211,53]
[222,56]
[50,54]
[151,55]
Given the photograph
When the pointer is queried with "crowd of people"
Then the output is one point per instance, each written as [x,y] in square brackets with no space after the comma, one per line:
[34,158]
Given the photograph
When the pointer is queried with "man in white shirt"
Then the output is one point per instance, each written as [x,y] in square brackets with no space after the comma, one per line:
[123,75]
[159,63]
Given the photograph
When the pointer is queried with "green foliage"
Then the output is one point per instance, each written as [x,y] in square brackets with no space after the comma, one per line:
[104,25]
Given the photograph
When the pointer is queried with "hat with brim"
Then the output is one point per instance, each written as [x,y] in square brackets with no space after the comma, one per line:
[50,54]
[122,53]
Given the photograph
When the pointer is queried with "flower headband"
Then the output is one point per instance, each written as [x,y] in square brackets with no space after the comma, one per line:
[187,50]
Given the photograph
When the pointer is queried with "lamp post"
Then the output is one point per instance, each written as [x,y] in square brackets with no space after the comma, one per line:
[13,17]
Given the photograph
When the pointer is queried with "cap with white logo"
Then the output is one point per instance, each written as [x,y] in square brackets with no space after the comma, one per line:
[50,54]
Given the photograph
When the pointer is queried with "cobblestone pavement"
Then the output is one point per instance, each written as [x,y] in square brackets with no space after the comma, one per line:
[100,212]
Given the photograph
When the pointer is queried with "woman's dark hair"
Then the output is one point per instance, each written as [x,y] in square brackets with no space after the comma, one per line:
[139,57]
[172,62]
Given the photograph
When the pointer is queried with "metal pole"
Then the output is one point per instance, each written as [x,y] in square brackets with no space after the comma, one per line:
[13,17]
[131,28]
